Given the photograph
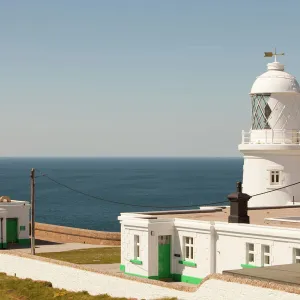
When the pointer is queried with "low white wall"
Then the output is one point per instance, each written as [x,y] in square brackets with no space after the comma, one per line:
[73,279]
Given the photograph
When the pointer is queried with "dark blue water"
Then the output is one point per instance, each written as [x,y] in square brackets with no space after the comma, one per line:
[154,182]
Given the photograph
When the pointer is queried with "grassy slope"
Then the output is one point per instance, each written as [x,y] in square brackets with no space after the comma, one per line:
[13,288]
[107,255]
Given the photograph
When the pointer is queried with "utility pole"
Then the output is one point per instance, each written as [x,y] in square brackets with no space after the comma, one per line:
[32,185]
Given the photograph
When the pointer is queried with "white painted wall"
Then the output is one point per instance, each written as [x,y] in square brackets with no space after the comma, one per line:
[148,230]
[78,280]
[256,177]
[236,236]
[20,210]
[218,246]
[127,246]
[200,231]
[3,214]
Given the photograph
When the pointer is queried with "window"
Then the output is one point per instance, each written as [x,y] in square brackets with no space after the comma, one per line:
[164,239]
[274,177]
[261,111]
[250,253]
[188,248]
[136,247]
[265,251]
[296,256]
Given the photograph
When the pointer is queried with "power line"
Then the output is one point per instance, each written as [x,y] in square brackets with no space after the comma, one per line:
[150,206]
[273,190]
[116,202]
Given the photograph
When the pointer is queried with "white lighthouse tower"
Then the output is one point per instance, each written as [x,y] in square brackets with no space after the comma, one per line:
[271,148]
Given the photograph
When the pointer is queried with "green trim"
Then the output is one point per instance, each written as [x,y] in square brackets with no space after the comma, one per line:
[24,242]
[136,261]
[4,245]
[246,266]
[175,277]
[187,279]
[188,263]
[122,268]
[142,276]
[137,275]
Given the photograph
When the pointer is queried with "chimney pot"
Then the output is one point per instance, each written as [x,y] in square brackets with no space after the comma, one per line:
[238,206]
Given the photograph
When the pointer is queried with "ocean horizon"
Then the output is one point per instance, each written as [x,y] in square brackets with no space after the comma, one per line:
[136,182]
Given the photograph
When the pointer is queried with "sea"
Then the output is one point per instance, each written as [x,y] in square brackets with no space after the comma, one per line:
[92,192]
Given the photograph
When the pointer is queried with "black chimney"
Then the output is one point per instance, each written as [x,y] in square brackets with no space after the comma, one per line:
[238,206]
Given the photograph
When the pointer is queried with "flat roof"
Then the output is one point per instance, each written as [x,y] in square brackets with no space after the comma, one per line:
[280,216]
[14,203]
[286,274]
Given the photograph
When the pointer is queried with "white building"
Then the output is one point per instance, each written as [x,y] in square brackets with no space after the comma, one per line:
[14,222]
[189,245]
[271,149]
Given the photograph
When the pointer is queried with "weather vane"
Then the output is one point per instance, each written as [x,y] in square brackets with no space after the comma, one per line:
[271,54]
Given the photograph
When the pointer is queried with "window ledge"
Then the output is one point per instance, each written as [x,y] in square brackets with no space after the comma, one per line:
[188,263]
[247,266]
[273,187]
[136,261]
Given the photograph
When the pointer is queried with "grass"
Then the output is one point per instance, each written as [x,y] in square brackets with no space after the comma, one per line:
[13,288]
[107,255]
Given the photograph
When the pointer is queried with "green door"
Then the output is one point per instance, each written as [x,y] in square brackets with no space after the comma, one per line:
[12,230]
[164,256]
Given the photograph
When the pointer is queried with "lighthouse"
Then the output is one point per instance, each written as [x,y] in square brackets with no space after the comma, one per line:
[271,148]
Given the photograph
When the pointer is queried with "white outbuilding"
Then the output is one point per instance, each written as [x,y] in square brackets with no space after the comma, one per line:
[14,222]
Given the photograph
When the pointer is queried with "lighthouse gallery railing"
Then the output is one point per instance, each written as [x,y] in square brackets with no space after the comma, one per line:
[269,136]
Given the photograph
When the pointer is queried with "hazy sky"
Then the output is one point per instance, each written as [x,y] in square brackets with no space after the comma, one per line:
[136,78]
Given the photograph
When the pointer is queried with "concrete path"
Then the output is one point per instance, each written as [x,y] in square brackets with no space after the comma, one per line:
[43,247]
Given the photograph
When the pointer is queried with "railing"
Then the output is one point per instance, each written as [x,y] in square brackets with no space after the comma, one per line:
[269,136]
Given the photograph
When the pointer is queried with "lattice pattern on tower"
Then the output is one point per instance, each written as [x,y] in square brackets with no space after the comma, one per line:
[261,111]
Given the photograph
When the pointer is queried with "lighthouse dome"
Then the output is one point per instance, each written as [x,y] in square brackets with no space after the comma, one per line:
[275,80]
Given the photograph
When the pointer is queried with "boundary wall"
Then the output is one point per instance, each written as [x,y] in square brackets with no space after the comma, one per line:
[75,278]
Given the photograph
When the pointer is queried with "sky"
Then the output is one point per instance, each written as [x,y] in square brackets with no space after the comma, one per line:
[136,78]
